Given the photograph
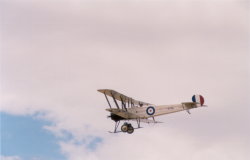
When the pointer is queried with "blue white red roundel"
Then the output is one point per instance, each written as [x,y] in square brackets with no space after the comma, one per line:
[150,110]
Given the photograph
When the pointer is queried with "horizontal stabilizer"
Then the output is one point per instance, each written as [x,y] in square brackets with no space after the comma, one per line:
[189,105]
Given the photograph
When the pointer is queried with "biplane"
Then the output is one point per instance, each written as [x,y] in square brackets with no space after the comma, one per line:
[131,109]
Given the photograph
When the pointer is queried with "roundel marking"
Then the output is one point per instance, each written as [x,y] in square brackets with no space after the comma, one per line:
[150,110]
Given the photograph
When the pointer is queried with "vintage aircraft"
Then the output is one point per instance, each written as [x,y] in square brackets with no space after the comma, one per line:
[139,111]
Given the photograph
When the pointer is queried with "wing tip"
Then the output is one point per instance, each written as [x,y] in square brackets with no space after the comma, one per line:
[102,90]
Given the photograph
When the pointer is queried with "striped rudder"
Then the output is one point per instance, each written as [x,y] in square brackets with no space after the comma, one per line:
[198,99]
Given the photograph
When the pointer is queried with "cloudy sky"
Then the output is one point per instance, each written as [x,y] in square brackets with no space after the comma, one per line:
[55,54]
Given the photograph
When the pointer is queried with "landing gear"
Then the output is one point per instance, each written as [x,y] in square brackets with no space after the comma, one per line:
[124,127]
[130,129]
[116,125]
[127,127]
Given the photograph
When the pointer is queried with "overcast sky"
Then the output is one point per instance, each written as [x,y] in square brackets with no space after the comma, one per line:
[56,54]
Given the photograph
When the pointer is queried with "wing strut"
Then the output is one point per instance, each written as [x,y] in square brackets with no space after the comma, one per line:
[123,104]
[107,100]
[138,122]
[115,101]
[132,104]
[116,126]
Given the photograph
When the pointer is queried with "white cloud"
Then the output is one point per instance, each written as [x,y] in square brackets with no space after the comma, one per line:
[10,157]
[159,143]
[56,55]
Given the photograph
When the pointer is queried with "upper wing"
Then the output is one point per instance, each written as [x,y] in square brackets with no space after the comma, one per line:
[120,97]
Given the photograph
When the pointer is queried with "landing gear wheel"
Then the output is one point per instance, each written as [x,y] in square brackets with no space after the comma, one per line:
[124,127]
[130,129]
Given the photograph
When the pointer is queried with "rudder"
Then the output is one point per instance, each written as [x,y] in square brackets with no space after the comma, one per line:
[198,99]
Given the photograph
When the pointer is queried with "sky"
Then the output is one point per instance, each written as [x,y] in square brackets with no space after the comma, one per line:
[20,131]
[56,54]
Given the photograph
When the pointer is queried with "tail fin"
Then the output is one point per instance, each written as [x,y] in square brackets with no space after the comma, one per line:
[198,99]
